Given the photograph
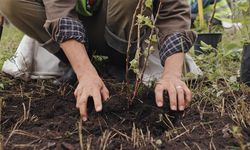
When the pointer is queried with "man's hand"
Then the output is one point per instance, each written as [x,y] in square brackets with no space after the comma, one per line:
[90,84]
[179,94]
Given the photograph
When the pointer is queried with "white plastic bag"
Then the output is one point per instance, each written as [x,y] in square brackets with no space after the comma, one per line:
[31,61]
[154,68]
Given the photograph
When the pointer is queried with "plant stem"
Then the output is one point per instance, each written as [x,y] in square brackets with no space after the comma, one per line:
[140,76]
[80,134]
[210,22]
[1,25]
[129,45]
[138,48]
[1,20]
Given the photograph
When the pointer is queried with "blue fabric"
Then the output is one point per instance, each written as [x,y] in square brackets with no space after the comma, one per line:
[194,6]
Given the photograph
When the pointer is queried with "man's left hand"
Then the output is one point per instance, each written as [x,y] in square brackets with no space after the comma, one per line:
[179,94]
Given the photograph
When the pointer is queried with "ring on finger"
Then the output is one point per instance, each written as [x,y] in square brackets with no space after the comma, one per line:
[179,87]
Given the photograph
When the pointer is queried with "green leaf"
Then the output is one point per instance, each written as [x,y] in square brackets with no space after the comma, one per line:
[243,5]
[149,4]
[205,46]
[134,65]
[153,38]
[142,20]
[1,86]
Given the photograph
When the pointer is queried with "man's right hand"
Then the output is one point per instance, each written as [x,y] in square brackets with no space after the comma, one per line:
[90,85]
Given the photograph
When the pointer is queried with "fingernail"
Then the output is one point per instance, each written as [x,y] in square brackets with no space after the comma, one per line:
[98,108]
[84,118]
[173,107]
[160,104]
[181,108]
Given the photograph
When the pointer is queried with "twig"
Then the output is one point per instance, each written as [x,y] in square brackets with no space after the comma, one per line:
[24,133]
[210,23]
[122,134]
[89,142]
[187,146]
[180,135]
[1,25]
[80,134]
[212,145]
[129,44]
[19,122]
[16,127]
[139,79]
[138,51]
[197,145]
[1,20]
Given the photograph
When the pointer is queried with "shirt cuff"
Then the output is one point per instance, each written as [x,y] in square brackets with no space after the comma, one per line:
[69,28]
[174,43]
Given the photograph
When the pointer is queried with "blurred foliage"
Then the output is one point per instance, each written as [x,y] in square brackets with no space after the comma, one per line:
[241,14]
[10,40]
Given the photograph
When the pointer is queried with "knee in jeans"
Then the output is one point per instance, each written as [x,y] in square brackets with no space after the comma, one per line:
[8,7]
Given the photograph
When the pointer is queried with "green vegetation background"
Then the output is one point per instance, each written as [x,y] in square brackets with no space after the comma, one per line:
[10,40]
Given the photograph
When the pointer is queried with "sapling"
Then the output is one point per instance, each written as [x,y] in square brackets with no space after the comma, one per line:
[139,63]
[129,45]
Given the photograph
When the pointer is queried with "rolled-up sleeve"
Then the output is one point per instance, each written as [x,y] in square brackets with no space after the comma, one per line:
[175,43]
[62,21]
[174,24]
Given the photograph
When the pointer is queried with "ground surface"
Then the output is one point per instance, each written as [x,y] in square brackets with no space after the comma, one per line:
[39,115]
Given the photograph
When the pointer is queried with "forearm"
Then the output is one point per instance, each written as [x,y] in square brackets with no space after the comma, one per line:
[90,84]
[174,22]
[179,94]
[173,66]
[78,58]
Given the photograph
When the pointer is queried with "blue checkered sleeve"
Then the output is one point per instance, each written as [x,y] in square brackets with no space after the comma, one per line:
[69,28]
[174,43]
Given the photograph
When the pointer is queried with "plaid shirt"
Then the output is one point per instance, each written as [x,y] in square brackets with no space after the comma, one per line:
[73,29]
[69,28]
[174,43]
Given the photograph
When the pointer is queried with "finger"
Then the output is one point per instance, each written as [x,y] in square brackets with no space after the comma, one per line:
[180,96]
[78,96]
[105,93]
[188,95]
[172,97]
[82,105]
[97,100]
[159,95]
[76,93]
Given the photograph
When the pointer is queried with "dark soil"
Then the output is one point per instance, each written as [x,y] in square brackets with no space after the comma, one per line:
[52,121]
